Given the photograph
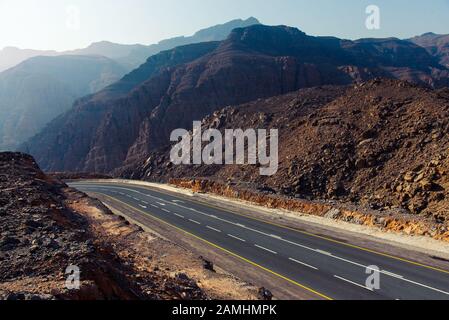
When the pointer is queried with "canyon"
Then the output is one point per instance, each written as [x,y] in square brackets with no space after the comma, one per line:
[256,62]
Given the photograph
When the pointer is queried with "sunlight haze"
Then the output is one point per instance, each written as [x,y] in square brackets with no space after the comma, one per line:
[50,24]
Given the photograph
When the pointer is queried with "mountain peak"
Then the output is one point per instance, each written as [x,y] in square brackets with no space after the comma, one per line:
[224,29]
[427,34]
[252,20]
[273,39]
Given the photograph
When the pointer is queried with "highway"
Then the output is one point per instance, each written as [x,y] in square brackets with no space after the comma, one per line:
[329,269]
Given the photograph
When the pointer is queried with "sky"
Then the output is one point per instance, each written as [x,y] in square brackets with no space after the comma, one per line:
[70,24]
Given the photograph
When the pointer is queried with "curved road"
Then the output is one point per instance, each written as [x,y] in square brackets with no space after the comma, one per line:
[327,268]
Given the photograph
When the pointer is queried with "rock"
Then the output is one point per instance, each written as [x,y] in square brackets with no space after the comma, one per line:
[333,214]
[265,294]
[419,177]
[409,176]
[266,189]
[364,142]
[208,265]
[426,184]
[435,163]
[9,243]
[361,164]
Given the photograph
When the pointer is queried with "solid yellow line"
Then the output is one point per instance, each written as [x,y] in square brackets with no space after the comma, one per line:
[307,233]
[223,249]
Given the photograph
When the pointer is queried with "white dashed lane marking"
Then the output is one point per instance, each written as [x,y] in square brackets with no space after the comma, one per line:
[263,248]
[237,238]
[354,283]
[211,228]
[302,263]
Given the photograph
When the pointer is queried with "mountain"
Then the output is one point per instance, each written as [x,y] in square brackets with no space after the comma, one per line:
[11,56]
[215,33]
[91,109]
[382,144]
[126,55]
[129,56]
[121,53]
[165,59]
[436,44]
[162,55]
[252,63]
[41,88]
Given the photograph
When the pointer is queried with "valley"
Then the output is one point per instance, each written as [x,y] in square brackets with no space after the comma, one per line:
[246,161]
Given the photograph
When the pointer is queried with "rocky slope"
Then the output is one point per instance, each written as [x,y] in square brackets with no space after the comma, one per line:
[153,65]
[46,227]
[436,44]
[254,62]
[383,144]
[40,89]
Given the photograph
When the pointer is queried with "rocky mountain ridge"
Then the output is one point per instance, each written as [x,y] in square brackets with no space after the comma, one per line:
[254,62]
[382,144]
[436,44]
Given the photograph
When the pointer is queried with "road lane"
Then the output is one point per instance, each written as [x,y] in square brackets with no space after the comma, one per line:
[335,270]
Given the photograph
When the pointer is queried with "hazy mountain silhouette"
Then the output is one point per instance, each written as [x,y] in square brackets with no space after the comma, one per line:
[28,88]
[130,56]
[41,88]
[11,56]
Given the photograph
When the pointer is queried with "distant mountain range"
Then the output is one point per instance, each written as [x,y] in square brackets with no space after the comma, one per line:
[120,126]
[436,44]
[45,84]
[130,56]
[39,89]
[11,56]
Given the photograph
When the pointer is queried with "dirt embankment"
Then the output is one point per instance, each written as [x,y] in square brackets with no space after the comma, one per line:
[393,221]
[77,175]
[46,227]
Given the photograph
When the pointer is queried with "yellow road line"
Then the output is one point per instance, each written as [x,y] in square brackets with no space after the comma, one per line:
[222,249]
[304,232]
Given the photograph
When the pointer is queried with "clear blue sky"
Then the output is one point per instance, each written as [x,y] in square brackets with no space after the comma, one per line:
[46,24]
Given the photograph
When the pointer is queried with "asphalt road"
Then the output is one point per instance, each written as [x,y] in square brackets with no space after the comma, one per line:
[327,268]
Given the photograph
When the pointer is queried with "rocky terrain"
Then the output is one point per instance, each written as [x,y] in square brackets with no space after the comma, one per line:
[46,227]
[65,176]
[252,63]
[382,145]
[436,44]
